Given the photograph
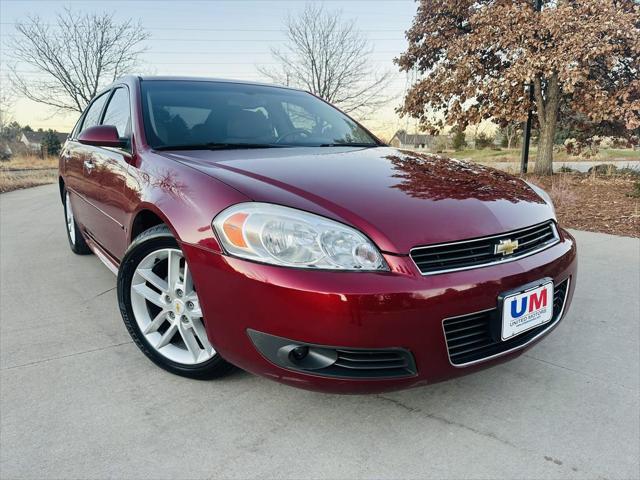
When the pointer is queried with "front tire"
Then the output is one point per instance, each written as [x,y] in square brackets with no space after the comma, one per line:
[161,310]
[74,235]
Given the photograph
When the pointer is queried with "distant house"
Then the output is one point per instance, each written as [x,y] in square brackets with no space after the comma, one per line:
[33,140]
[414,141]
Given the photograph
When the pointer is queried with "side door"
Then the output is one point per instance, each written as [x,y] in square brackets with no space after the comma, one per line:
[77,165]
[107,173]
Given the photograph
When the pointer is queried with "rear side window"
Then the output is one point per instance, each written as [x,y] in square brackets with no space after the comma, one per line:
[118,113]
[92,117]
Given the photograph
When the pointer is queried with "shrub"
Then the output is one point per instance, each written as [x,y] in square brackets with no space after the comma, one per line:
[635,193]
[483,141]
[603,169]
[459,141]
[50,143]
[628,172]
[441,144]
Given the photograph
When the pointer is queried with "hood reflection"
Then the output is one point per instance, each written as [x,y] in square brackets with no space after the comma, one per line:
[434,177]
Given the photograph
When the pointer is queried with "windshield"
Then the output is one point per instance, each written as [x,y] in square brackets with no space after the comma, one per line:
[210,114]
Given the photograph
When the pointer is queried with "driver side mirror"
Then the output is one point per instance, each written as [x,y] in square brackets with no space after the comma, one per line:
[101,136]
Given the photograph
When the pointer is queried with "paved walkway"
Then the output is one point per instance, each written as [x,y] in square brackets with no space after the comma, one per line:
[579,166]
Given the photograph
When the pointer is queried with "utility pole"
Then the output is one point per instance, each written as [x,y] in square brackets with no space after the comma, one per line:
[526,136]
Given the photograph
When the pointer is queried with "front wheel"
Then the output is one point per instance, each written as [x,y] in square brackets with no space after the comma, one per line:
[161,310]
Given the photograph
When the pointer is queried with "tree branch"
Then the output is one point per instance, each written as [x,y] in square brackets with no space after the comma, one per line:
[73,59]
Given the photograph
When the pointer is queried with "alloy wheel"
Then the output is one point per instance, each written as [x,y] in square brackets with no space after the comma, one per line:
[167,310]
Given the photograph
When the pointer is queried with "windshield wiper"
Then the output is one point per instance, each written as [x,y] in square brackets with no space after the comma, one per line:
[352,144]
[218,146]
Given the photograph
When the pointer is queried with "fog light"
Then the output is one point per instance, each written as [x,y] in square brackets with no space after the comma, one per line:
[298,354]
[291,354]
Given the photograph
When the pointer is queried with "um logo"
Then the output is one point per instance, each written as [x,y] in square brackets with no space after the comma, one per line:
[534,301]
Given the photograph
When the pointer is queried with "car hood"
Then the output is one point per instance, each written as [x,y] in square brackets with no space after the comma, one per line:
[399,199]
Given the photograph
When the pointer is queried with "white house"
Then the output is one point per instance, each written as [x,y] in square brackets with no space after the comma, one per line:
[414,141]
[33,140]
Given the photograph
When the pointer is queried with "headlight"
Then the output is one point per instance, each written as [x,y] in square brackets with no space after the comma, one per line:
[285,236]
[544,195]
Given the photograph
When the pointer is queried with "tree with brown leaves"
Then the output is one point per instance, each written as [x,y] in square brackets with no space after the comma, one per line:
[477,56]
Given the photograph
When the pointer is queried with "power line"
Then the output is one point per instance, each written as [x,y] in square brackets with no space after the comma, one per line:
[216,1]
[7,68]
[214,52]
[8,35]
[237,29]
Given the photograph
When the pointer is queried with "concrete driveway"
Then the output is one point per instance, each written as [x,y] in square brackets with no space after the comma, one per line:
[79,401]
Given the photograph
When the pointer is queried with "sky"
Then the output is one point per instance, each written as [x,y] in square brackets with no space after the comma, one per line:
[219,38]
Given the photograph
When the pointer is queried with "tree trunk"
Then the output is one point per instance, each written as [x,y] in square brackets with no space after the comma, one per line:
[544,157]
[548,119]
[511,135]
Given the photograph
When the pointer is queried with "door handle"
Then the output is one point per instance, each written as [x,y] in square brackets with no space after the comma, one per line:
[89,165]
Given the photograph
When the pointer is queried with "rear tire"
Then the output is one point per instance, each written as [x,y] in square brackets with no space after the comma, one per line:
[161,310]
[74,235]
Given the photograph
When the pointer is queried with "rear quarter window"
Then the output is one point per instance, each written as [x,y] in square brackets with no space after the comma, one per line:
[92,117]
[118,112]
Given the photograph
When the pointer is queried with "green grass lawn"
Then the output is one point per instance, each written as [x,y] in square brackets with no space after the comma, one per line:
[513,155]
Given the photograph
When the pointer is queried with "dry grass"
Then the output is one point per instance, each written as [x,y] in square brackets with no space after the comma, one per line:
[29,161]
[24,171]
[562,192]
[14,181]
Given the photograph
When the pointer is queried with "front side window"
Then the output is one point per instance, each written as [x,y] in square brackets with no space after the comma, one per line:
[92,116]
[118,112]
[196,113]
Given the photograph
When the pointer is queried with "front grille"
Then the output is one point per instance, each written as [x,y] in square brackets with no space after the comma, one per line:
[477,336]
[481,252]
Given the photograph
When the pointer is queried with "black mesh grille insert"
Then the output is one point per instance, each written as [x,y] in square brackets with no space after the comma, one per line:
[482,251]
[472,337]
[372,363]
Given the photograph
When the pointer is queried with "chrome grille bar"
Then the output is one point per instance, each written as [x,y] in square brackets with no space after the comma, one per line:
[481,252]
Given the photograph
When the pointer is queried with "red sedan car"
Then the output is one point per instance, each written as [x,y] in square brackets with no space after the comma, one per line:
[259,226]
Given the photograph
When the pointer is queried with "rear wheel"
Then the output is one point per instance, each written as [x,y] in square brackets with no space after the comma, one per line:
[161,309]
[76,240]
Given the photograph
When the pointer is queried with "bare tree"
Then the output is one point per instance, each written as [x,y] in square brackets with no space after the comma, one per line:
[6,103]
[511,131]
[74,58]
[329,57]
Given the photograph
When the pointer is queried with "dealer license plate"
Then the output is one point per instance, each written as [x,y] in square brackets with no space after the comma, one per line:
[527,309]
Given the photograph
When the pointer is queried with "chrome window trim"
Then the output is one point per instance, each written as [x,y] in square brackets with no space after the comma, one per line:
[519,347]
[511,258]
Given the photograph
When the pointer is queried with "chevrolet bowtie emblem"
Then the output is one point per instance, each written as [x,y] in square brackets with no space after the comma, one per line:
[506,247]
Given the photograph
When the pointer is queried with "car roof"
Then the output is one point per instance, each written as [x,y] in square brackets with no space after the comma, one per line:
[151,78]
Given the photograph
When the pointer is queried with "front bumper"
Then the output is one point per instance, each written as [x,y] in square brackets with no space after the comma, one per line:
[398,309]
